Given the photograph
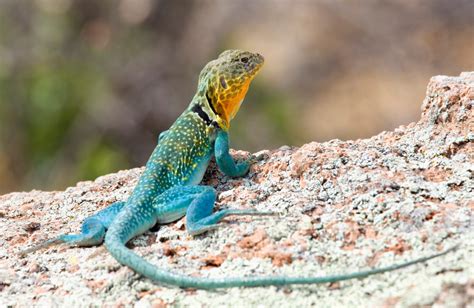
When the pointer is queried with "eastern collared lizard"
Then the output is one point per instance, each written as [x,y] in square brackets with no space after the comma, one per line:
[168,188]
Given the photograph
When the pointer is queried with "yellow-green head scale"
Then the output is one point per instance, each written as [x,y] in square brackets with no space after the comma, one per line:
[226,80]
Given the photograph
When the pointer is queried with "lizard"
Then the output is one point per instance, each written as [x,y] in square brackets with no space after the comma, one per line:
[169,189]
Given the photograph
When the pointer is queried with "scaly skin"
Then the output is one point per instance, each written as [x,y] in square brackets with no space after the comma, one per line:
[168,188]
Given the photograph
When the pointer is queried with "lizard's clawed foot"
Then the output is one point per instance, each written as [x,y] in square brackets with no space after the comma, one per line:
[252,212]
[197,230]
[45,244]
[258,158]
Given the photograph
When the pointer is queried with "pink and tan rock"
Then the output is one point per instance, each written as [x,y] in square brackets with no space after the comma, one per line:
[344,206]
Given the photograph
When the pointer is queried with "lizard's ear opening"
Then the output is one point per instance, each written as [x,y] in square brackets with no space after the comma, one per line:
[223,82]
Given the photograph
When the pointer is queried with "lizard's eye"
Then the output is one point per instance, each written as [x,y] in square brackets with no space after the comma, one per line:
[244,60]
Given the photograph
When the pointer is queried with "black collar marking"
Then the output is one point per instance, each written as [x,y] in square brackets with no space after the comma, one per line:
[210,104]
[198,110]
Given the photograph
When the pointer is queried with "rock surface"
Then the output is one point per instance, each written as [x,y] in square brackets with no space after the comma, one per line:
[344,206]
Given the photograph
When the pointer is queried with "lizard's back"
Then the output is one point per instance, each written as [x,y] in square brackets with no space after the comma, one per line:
[180,158]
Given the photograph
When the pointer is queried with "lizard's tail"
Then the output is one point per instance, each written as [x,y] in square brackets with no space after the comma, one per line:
[127,257]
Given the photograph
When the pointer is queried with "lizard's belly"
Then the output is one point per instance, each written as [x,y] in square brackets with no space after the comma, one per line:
[198,172]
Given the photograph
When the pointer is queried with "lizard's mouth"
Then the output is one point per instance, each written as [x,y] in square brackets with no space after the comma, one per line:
[254,64]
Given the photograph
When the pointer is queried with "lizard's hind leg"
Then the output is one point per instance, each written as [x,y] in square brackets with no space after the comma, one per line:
[199,216]
[92,230]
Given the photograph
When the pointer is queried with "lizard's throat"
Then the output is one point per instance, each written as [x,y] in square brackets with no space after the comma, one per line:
[228,109]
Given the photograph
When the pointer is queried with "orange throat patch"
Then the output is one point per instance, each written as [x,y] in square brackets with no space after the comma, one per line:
[229,108]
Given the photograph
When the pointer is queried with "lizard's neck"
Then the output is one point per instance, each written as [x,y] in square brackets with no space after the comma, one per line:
[202,106]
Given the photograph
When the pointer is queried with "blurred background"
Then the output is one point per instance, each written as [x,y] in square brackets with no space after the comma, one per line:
[86,86]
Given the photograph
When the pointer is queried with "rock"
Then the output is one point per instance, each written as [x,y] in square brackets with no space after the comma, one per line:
[344,206]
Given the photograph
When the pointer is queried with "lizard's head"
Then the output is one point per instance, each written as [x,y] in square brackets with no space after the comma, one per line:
[226,80]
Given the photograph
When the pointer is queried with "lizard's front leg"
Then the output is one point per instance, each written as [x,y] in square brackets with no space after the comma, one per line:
[224,160]
[161,135]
